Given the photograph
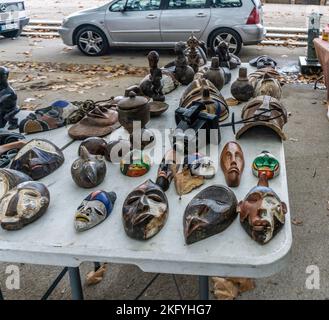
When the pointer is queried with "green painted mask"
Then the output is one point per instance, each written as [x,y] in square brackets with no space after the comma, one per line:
[266,162]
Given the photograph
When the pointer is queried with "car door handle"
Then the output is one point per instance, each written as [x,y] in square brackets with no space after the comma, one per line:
[201,15]
[151,16]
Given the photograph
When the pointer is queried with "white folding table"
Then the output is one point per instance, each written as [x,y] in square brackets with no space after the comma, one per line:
[52,239]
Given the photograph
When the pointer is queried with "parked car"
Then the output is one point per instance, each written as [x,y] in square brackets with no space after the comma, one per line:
[161,23]
[12,18]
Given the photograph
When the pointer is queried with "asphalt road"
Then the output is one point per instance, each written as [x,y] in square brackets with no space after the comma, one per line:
[279,15]
[53,50]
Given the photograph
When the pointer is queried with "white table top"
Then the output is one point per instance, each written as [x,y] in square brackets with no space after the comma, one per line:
[52,240]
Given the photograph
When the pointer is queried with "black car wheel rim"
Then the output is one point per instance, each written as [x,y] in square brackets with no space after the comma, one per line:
[91,42]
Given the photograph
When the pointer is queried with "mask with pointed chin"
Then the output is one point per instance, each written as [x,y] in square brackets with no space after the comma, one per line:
[210,212]
[232,163]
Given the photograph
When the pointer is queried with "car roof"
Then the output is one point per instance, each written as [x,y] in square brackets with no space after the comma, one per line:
[11,1]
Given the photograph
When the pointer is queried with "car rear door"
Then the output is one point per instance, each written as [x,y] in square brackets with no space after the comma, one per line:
[180,18]
[138,22]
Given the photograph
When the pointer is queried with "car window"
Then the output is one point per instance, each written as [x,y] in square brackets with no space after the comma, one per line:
[136,5]
[187,4]
[226,3]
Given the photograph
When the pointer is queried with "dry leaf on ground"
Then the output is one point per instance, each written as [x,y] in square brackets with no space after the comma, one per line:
[230,288]
[224,289]
[95,277]
[297,222]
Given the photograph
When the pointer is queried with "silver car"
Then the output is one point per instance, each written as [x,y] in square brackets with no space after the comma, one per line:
[161,23]
[12,18]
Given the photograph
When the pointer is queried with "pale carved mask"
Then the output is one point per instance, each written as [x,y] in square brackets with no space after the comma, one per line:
[23,205]
[94,209]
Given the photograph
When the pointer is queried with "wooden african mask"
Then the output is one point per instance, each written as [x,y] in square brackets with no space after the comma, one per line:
[38,158]
[266,163]
[23,205]
[135,164]
[232,163]
[210,212]
[145,211]
[9,179]
[94,209]
[88,171]
[262,213]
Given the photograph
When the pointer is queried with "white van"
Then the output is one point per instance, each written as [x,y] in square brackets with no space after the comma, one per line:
[12,18]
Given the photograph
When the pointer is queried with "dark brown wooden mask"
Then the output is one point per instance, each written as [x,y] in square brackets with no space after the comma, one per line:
[145,211]
[38,158]
[88,171]
[262,214]
[210,212]
[232,163]
[24,204]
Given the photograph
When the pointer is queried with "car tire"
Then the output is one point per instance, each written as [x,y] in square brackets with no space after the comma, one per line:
[228,35]
[95,38]
[12,34]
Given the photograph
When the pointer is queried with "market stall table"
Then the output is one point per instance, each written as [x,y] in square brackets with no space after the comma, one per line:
[52,240]
[322,52]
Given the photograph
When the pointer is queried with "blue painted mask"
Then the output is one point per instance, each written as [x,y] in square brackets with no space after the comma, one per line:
[94,209]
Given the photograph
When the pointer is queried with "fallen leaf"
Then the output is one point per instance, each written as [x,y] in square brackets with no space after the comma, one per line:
[224,289]
[293,139]
[95,277]
[297,222]
[244,284]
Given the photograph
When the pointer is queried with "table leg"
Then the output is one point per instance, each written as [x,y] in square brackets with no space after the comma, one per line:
[203,288]
[1,296]
[75,282]
[97,265]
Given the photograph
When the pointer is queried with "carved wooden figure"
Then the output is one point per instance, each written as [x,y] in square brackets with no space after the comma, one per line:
[89,170]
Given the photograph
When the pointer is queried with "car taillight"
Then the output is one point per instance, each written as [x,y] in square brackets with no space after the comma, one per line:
[253,17]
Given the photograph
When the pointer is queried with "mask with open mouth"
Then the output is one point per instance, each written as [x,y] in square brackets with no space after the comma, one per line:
[145,211]
[232,163]
[23,204]
[210,212]
[262,213]
[88,171]
[94,209]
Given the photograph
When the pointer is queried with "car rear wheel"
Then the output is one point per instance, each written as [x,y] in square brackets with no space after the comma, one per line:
[231,37]
[92,41]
